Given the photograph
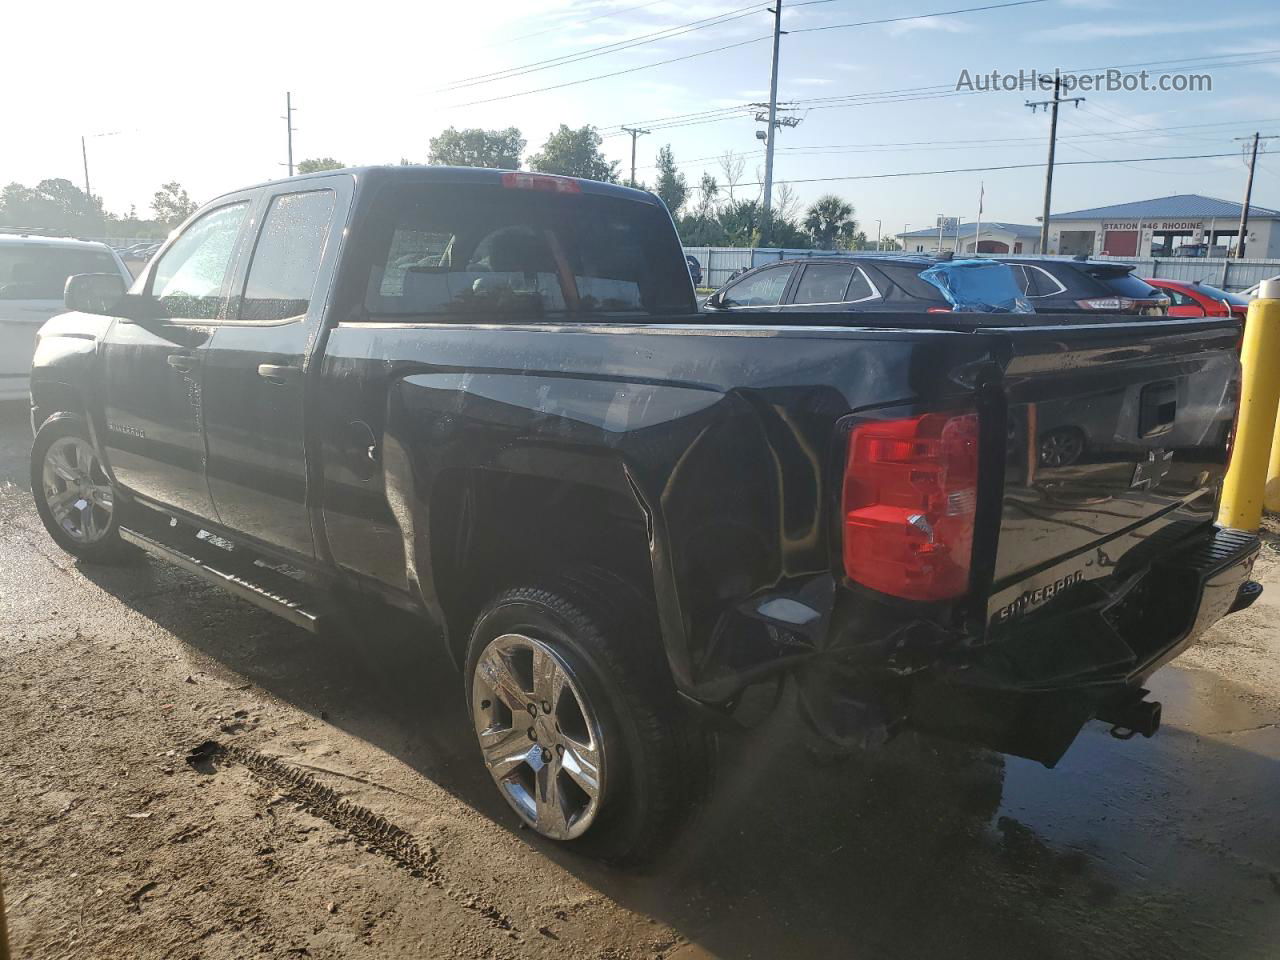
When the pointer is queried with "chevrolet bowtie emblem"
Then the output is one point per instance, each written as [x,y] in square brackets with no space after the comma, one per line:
[1148,473]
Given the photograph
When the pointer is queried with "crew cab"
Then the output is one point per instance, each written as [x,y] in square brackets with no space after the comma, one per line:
[487,397]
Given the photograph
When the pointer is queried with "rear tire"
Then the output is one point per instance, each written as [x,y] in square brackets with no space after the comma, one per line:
[613,767]
[74,496]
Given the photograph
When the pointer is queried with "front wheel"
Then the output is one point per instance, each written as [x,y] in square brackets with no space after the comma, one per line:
[73,494]
[577,719]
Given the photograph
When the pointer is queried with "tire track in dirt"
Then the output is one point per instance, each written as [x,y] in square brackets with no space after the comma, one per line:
[375,831]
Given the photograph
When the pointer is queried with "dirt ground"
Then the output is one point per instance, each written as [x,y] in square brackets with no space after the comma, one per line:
[347,816]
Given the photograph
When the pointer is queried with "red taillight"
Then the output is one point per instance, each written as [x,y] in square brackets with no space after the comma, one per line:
[541,181]
[910,495]
[939,310]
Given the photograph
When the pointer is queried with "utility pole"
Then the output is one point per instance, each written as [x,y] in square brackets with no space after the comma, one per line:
[767,214]
[1052,107]
[84,155]
[635,132]
[288,126]
[1248,190]
[877,236]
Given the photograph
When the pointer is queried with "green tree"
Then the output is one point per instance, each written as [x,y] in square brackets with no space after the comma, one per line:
[474,147]
[171,203]
[672,186]
[316,164]
[575,153]
[54,204]
[828,220]
[740,223]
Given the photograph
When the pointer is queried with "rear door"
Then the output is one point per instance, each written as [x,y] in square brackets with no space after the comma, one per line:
[254,375]
[1115,431]
[153,370]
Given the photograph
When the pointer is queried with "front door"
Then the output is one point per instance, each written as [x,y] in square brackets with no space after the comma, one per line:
[254,389]
[152,389]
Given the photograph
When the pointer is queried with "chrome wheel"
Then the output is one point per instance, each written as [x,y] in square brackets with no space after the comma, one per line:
[76,490]
[538,734]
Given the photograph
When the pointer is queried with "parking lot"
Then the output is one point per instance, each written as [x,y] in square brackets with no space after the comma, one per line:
[112,844]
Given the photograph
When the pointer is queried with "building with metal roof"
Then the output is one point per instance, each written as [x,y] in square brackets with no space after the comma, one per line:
[989,236]
[1183,225]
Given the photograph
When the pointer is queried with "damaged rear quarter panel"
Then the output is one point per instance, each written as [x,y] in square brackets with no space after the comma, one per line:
[723,438]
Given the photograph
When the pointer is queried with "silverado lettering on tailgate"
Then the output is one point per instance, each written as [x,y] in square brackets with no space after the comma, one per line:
[1029,599]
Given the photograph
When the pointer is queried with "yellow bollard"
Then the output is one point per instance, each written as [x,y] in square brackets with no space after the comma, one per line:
[1252,458]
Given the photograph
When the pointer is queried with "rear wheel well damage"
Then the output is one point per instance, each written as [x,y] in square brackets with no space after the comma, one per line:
[493,530]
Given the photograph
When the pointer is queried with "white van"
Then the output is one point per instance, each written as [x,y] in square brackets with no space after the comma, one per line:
[33,271]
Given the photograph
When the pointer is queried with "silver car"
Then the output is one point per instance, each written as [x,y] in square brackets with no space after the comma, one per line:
[33,272]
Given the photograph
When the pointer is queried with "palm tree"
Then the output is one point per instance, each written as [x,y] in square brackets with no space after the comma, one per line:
[829,218]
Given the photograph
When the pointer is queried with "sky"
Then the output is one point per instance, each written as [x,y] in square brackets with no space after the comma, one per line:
[195,92]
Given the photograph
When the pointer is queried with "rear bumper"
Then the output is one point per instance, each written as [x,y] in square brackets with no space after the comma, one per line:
[1031,692]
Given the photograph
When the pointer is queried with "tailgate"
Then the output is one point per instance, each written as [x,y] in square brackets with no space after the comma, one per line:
[1116,436]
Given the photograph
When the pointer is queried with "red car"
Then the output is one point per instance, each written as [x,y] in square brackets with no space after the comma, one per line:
[1196,299]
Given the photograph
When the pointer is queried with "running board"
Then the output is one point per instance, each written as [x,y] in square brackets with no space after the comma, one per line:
[272,600]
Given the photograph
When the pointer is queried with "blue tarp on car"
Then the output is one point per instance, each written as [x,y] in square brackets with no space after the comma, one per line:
[978,286]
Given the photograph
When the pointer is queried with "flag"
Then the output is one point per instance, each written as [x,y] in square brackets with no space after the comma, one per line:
[982,190]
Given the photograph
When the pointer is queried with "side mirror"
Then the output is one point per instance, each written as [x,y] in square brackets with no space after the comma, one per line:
[715,301]
[94,292]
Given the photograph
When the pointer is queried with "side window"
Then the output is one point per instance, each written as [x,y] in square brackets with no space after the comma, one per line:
[287,257]
[1179,299]
[860,288]
[823,283]
[764,289]
[189,278]
[1020,278]
[1041,283]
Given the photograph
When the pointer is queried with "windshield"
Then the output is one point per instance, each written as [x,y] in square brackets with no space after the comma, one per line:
[37,271]
[464,249]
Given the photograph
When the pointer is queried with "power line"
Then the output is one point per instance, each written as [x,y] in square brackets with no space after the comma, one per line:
[1005,166]
[731,46]
[617,46]
[934,91]
[919,16]
[982,143]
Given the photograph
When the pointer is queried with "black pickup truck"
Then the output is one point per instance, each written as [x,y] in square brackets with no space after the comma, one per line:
[488,398]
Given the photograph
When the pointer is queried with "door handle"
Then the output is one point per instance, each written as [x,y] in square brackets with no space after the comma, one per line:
[181,362]
[278,373]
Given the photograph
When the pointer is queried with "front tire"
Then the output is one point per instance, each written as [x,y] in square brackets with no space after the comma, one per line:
[74,495]
[577,718]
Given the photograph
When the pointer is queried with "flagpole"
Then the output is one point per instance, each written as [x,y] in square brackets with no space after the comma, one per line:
[978,226]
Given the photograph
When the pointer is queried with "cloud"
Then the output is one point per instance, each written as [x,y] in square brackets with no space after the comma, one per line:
[1102,30]
[939,24]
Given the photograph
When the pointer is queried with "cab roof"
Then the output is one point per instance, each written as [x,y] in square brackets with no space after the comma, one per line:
[430,173]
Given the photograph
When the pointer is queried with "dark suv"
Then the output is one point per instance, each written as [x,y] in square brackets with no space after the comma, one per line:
[833,283]
[1058,285]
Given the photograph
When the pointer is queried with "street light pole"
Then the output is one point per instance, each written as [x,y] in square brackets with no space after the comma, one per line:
[877,236]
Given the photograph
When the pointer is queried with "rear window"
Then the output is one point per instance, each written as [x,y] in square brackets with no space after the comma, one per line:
[1124,284]
[465,249]
[36,271]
